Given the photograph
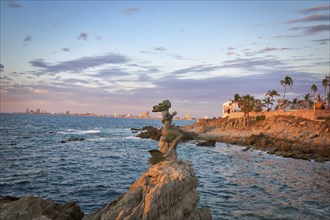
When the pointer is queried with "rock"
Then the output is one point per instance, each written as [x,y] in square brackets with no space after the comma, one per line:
[313,136]
[72,139]
[207,143]
[166,191]
[150,132]
[30,207]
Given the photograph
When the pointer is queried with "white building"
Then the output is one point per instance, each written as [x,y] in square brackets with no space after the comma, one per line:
[229,107]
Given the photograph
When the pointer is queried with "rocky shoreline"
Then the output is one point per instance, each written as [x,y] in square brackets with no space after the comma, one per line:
[168,190]
[285,136]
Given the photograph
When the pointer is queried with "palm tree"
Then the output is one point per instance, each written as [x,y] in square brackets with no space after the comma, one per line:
[328,78]
[271,93]
[258,105]
[246,104]
[325,84]
[236,99]
[307,99]
[268,101]
[314,89]
[286,82]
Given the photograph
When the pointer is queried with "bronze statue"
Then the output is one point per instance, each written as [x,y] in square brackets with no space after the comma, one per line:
[170,137]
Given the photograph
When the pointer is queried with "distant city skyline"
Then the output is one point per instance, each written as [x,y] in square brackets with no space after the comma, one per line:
[126,56]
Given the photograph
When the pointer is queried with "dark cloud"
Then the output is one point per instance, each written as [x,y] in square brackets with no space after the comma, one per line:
[77,65]
[196,69]
[269,49]
[110,73]
[82,36]
[2,67]
[315,9]
[311,18]
[72,81]
[159,49]
[65,49]
[13,4]
[322,41]
[27,38]
[5,78]
[130,11]
[230,52]
[312,29]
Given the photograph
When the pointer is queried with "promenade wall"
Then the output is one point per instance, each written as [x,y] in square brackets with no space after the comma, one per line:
[307,114]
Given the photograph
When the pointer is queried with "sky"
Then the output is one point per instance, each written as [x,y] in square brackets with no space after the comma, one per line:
[126,56]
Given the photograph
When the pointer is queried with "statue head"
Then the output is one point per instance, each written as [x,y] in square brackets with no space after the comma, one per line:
[165,105]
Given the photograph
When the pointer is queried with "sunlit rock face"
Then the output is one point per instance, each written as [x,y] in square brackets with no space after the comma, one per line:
[166,191]
[30,207]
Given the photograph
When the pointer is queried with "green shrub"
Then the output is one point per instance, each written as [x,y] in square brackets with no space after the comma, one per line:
[260,117]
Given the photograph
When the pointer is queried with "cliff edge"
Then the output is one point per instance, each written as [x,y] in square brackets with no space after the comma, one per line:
[166,191]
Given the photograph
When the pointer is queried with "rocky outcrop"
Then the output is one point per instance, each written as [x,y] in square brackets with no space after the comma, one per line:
[30,207]
[285,136]
[166,191]
[153,133]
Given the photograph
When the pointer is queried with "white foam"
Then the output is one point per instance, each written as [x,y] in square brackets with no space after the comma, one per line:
[72,131]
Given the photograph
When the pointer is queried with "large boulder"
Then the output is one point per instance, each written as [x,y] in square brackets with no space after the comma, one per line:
[166,191]
[30,207]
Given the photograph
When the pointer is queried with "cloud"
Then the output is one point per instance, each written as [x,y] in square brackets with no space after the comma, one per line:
[113,72]
[229,53]
[130,11]
[77,65]
[196,69]
[73,81]
[322,41]
[82,36]
[159,49]
[269,49]
[2,67]
[13,4]
[311,18]
[65,49]
[5,78]
[312,29]
[27,39]
[315,9]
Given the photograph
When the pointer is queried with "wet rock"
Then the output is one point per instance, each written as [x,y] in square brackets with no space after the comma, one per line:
[72,139]
[150,132]
[30,207]
[207,143]
[166,191]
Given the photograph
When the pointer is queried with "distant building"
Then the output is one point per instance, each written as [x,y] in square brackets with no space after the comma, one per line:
[206,117]
[188,116]
[144,115]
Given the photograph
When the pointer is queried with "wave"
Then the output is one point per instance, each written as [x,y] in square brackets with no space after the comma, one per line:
[73,131]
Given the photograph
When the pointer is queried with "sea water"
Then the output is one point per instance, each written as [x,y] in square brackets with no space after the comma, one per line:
[104,158]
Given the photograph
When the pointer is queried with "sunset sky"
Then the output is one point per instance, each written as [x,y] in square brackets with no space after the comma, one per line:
[126,56]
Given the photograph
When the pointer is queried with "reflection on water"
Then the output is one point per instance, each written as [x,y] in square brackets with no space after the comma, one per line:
[232,183]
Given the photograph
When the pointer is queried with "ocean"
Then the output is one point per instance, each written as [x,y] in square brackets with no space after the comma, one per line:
[92,160]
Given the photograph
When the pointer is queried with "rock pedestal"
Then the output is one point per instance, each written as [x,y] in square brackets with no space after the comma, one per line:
[166,191]
[30,207]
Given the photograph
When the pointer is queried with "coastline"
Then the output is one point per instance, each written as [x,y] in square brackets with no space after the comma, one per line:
[285,136]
